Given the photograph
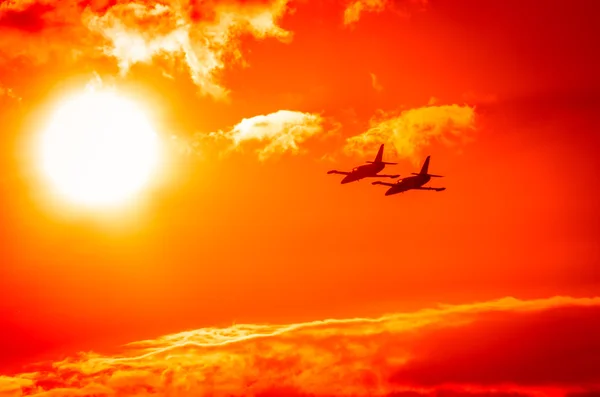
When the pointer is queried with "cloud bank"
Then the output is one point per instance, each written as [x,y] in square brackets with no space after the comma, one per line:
[201,36]
[546,347]
[410,130]
[406,132]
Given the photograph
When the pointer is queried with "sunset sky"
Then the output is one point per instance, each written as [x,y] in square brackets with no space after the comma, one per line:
[242,268]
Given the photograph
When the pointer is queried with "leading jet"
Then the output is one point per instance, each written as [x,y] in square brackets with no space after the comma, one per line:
[415,182]
[367,170]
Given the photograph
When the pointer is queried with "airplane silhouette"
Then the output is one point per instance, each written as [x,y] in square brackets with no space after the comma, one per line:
[415,182]
[366,171]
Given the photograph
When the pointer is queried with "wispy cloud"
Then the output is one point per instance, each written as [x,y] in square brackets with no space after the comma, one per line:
[273,133]
[355,8]
[375,83]
[409,130]
[544,347]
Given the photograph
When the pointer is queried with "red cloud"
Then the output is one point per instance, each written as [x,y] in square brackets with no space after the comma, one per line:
[546,347]
[30,18]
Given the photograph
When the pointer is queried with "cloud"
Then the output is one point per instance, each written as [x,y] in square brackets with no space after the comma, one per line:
[410,130]
[29,17]
[278,132]
[13,386]
[202,36]
[36,29]
[545,347]
[6,92]
[375,83]
[355,8]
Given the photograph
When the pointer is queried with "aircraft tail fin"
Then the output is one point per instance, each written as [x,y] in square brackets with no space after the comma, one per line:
[425,169]
[425,166]
[379,157]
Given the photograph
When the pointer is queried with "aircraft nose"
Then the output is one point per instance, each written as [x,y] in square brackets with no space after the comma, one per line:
[346,179]
[389,192]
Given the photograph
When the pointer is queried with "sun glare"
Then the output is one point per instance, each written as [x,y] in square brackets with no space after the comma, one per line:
[99,149]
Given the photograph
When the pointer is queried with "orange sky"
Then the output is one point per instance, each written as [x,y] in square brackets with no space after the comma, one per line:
[259,99]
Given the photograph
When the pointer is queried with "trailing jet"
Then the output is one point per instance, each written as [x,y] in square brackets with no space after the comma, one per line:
[415,182]
[367,170]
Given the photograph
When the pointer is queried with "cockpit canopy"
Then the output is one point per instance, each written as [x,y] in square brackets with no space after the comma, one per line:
[355,169]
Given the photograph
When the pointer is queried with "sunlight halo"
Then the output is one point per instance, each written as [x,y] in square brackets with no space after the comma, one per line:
[99,149]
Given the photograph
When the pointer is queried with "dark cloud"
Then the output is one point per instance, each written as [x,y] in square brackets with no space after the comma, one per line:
[556,347]
[29,19]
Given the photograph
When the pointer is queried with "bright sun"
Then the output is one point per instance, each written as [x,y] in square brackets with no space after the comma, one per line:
[99,149]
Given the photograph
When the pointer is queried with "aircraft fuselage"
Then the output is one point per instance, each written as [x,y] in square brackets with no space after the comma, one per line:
[363,171]
[411,182]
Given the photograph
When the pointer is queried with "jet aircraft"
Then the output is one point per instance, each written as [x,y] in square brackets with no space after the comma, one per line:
[415,182]
[367,170]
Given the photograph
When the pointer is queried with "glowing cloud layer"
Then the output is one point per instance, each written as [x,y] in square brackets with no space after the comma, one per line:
[405,132]
[465,349]
[410,130]
[202,36]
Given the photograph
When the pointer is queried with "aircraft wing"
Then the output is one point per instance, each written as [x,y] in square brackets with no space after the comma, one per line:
[437,189]
[382,183]
[338,172]
[431,175]
[384,176]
